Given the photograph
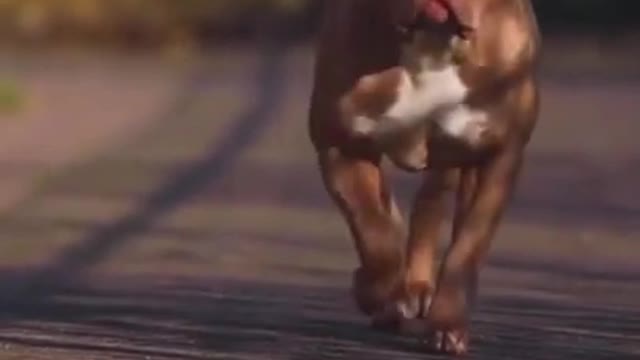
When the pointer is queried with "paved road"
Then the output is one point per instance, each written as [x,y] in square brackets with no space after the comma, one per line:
[208,236]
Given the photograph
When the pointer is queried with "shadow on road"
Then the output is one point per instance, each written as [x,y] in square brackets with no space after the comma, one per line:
[206,172]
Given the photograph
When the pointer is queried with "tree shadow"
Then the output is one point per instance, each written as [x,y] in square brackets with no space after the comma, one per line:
[273,45]
[35,296]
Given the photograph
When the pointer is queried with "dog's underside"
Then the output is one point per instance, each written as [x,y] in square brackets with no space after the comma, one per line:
[459,109]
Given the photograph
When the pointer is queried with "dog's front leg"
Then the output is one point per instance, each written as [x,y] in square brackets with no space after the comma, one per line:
[475,225]
[357,184]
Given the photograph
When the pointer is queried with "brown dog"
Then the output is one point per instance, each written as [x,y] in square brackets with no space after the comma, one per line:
[443,85]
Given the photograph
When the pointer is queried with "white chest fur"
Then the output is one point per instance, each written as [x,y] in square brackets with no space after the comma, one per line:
[434,95]
[426,92]
[464,123]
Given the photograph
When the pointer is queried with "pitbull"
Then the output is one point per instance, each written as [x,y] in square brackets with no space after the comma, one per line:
[446,88]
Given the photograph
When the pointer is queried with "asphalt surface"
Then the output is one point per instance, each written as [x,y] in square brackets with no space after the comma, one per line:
[209,236]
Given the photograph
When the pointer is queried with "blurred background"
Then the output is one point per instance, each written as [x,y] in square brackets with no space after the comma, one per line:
[159,197]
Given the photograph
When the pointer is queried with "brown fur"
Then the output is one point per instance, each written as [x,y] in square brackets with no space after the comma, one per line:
[359,37]
[373,94]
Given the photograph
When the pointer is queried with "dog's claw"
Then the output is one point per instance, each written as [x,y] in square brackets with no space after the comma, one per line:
[449,342]
[406,315]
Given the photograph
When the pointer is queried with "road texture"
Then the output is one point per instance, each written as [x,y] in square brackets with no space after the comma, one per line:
[207,235]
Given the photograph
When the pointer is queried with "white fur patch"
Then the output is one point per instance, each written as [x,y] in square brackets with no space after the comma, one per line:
[419,98]
[364,125]
[464,123]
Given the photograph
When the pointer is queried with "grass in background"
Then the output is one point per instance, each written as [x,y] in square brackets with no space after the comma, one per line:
[132,22]
[11,97]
